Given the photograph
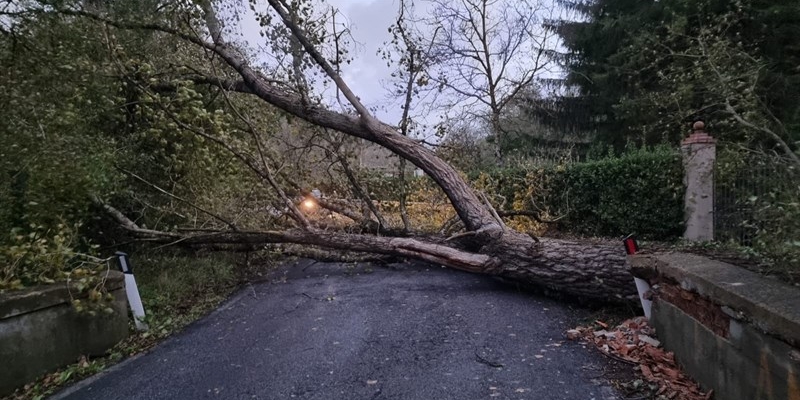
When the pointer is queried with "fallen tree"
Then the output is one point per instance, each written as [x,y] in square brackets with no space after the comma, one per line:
[592,272]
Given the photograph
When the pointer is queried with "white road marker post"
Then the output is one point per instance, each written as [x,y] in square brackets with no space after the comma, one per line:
[132,291]
[642,287]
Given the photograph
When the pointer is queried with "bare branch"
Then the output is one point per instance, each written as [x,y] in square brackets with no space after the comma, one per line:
[181,199]
[738,117]
[319,59]
[464,200]
[404,247]
[128,224]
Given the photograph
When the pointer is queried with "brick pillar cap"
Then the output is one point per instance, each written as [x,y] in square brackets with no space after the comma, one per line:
[698,135]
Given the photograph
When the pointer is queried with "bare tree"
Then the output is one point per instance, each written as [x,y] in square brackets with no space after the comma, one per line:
[589,271]
[487,52]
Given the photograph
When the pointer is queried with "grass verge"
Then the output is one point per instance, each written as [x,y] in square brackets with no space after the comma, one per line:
[176,290]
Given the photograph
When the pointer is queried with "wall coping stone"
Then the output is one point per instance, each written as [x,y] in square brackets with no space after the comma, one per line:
[770,305]
[18,302]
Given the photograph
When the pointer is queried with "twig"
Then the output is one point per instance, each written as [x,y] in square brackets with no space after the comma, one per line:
[493,211]
[461,235]
[487,362]
[312,51]
[189,203]
[617,358]
[527,213]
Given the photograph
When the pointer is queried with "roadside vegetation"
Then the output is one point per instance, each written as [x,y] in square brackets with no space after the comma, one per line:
[176,290]
[129,122]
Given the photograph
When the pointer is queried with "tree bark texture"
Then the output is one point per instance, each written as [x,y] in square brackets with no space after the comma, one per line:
[588,271]
[585,272]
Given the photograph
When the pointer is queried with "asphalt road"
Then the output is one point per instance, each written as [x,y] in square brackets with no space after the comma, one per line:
[339,331]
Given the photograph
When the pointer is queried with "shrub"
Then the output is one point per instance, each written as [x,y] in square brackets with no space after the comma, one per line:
[757,204]
[39,255]
[639,192]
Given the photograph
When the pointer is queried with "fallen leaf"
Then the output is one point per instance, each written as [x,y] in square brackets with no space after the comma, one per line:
[573,334]
[633,340]
[646,372]
[672,373]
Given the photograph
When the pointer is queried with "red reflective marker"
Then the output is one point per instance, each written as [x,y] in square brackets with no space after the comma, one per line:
[631,247]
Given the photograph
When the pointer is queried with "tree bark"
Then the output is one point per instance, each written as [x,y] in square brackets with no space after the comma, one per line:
[587,271]
[584,272]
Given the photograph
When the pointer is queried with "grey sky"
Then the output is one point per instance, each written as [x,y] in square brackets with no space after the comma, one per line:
[369,21]
[367,75]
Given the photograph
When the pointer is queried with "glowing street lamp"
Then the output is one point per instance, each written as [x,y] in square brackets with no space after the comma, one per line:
[309,205]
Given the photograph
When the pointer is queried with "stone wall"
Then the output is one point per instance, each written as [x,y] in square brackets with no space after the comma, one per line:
[731,329]
[40,331]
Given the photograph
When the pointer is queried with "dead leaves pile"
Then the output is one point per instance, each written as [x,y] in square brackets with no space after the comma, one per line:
[633,342]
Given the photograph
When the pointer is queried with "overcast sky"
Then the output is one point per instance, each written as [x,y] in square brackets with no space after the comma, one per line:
[367,75]
[369,21]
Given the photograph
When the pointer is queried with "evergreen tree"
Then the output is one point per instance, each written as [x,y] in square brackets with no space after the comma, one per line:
[641,70]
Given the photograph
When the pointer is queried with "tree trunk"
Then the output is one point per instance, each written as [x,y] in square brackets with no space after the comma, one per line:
[585,272]
[588,271]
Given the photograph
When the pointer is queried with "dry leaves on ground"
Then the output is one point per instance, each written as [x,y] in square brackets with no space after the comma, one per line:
[633,342]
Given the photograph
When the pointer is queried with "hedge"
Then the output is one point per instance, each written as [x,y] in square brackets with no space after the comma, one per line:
[640,192]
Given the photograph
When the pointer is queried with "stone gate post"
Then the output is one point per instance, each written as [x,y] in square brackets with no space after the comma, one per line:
[699,152]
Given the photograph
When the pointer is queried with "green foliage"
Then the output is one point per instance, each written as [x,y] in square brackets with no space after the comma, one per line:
[52,153]
[44,256]
[40,256]
[176,289]
[83,107]
[639,192]
[757,205]
[642,70]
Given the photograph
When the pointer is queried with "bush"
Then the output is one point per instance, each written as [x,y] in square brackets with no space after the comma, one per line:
[639,192]
[757,204]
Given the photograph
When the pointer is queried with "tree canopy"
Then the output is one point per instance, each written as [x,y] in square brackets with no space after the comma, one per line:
[640,70]
[158,122]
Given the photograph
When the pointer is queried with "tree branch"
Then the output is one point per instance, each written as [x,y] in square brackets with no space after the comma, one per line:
[460,194]
[187,202]
[301,37]
[403,247]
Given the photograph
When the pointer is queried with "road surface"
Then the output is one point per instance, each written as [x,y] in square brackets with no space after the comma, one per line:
[344,331]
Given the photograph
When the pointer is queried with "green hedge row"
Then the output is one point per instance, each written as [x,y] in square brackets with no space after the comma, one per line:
[639,192]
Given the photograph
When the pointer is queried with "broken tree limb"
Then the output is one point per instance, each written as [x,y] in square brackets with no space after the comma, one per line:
[589,271]
[595,272]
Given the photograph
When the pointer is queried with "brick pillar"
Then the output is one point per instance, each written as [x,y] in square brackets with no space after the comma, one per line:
[699,152]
